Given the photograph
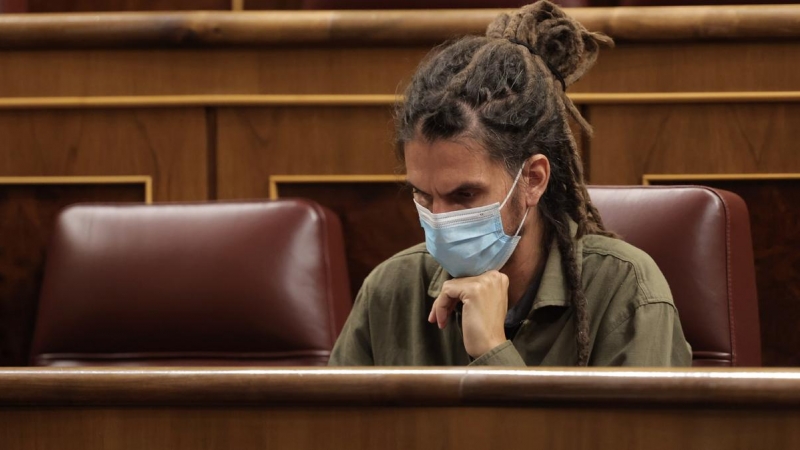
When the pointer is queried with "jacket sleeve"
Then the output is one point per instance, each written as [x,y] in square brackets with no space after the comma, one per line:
[354,347]
[652,336]
[504,354]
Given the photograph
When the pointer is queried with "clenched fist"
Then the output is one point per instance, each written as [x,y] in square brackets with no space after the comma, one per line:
[485,299]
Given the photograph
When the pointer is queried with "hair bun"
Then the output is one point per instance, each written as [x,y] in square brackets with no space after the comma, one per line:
[563,43]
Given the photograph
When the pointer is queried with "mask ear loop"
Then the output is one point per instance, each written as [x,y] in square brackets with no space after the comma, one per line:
[523,221]
[519,174]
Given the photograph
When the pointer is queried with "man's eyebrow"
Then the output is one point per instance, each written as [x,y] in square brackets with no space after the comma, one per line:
[468,186]
[416,188]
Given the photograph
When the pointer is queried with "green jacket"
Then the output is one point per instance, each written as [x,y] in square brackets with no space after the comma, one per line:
[633,320]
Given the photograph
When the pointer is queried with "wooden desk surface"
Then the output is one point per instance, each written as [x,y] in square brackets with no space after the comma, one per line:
[398,408]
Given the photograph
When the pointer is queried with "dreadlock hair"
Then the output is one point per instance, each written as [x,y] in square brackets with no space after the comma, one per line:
[505,90]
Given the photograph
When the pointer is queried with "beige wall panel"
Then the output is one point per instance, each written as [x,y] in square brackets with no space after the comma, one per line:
[254,143]
[168,144]
[631,140]
[207,71]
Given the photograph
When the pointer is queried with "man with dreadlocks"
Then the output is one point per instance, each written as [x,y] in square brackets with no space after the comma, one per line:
[517,268]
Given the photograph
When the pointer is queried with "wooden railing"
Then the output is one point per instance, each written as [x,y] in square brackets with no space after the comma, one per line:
[638,24]
[398,408]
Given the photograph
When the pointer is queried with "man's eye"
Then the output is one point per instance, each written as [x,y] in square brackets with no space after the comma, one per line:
[466,195]
[421,198]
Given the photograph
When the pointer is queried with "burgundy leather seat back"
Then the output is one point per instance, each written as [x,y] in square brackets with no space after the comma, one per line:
[700,238]
[258,283]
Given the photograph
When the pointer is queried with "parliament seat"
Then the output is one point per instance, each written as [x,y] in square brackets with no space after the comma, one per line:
[248,283]
[700,238]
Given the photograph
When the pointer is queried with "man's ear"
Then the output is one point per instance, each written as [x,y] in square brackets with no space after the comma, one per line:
[536,175]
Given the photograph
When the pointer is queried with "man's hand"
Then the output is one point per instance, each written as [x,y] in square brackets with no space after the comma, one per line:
[485,300]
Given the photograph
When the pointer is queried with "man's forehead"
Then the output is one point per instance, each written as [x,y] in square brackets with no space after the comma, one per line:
[447,161]
[446,150]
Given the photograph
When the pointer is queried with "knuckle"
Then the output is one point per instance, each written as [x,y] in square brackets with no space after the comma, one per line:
[498,277]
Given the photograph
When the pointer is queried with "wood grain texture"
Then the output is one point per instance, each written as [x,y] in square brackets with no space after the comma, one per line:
[27,216]
[775,225]
[633,140]
[276,70]
[255,143]
[49,6]
[378,220]
[349,428]
[695,67]
[387,27]
[363,69]
[462,386]
[168,145]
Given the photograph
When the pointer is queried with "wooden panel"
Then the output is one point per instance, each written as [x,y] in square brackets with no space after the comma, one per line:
[695,67]
[460,408]
[775,225]
[339,70]
[27,216]
[169,145]
[364,70]
[40,6]
[396,428]
[631,140]
[378,219]
[254,143]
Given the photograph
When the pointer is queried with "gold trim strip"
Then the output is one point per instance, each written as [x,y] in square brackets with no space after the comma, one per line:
[647,179]
[147,180]
[612,98]
[275,179]
[684,97]
[147,101]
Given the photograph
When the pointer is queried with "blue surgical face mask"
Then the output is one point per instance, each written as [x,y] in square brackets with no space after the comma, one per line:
[471,241]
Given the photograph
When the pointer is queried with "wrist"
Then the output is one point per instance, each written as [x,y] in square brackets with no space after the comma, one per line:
[489,346]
